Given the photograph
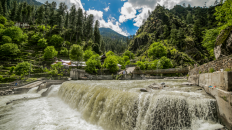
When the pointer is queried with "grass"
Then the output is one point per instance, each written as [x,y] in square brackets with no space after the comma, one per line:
[211,70]
[225,98]
[228,69]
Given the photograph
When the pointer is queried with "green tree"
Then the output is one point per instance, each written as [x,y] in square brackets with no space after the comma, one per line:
[1,9]
[89,26]
[23,68]
[189,18]
[93,64]
[88,54]
[141,65]
[111,63]
[129,54]
[14,11]
[66,25]
[9,50]
[157,50]
[223,13]
[40,15]
[3,20]
[166,63]
[35,38]
[79,24]
[5,9]
[6,39]
[42,43]
[97,35]
[96,48]
[56,40]
[19,13]
[15,33]
[50,52]
[110,53]
[76,53]
[64,51]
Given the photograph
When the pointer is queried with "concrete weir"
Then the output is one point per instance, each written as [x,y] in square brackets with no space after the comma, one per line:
[222,92]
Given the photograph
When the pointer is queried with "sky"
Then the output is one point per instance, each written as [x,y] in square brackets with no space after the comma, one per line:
[125,16]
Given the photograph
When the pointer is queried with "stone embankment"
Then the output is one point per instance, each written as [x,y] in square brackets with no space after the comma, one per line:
[221,89]
[24,89]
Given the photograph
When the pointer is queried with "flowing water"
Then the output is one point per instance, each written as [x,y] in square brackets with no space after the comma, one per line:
[111,105]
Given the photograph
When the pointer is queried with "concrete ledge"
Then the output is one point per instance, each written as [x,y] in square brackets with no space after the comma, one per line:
[222,93]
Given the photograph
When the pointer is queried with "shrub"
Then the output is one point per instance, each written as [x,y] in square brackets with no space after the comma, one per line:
[141,65]
[2,20]
[64,51]
[200,72]
[6,39]
[211,70]
[42,43]
[227,69]
[50,52]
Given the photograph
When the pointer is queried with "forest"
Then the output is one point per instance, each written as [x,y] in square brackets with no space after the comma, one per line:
[169,38]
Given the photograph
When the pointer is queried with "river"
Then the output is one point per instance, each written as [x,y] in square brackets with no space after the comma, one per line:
[109,105]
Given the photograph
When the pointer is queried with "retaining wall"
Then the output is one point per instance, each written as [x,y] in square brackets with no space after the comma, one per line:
[222,92]
[222,63]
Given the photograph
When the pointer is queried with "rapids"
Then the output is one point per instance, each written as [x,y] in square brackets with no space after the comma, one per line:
[111,105]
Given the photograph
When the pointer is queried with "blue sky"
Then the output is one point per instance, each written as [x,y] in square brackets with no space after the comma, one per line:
[125,16]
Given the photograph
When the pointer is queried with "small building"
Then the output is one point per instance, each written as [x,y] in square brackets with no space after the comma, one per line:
[22,25]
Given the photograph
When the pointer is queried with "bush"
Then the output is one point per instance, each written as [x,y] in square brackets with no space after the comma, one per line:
[157,50]
[111,63]
[64,51]
[228,69]
[87,54]
[6,39]
[211,70]
[141,65]
[42,43]
[50,52]
[92,63]
[2,20]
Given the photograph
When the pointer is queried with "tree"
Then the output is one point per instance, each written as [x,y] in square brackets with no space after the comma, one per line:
[9,50]
[35,38]
[42,43]
[64,51]
[6,39]
[89,26]
[14,11]
[50,52]
[76,53]
[88,54]
[223,13]
[66,25]
[19,13]
[5,9]
[93,63]
[97,35]
[129,54]
[157,50]
[72,20]
[79,24]
[166,63]
[1,9]
[197,30]
[189,18]
[40,15]
[96,48]
[3,20]
[110,53]
[141,65]
[56,40]
[15,33]
[23,68]
[111,63]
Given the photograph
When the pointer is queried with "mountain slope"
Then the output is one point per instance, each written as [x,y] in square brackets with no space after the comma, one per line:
[30,2]
[113,41]
[180,29]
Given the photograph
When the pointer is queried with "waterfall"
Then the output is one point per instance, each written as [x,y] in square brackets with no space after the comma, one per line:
[117,109]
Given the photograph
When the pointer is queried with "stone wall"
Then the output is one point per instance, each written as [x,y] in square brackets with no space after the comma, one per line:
[223,63]
[222,92]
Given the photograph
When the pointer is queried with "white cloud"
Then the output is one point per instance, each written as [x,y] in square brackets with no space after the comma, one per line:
[67,2]
[127,12]
[123,0]
[139,18]
[111,22]
[107,8]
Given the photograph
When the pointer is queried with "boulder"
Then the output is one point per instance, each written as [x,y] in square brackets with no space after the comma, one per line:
[155,86]
[143,90]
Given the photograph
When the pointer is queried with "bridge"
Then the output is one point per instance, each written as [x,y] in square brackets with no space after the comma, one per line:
[162,71]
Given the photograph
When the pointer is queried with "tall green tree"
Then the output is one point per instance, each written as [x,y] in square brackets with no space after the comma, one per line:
[72,20]
[40,13]
[25,11]
[157,50]
[79,24]
[50,52]
[97,35]
[189,18]
[76,53]
[14,11]
[19,13]
[89,27]
[1,9]
[5,9]
[66,25]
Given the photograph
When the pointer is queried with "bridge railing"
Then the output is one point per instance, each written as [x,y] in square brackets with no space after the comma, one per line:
[162,71]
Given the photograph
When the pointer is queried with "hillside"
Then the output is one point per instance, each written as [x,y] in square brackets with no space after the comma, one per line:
[113,41]
[181,30]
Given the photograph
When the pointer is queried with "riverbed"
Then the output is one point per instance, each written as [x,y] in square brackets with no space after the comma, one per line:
[103,105]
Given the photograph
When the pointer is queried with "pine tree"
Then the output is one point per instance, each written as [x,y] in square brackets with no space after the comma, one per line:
[79,24]
[89,26]
[72,19]
[52,16]
[28,13]
[1,9]
[5,11]
[40,15]
[14,11]
[97,35]
[67,21]
[19,13]
[24,11]
[189,18]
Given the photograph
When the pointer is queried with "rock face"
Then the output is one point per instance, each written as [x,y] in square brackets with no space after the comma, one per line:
[223,45]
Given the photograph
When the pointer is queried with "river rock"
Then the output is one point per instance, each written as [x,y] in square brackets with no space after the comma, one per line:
[143,90]
[155,86]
